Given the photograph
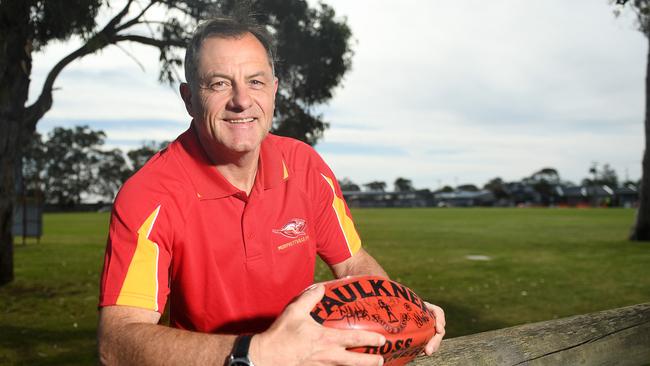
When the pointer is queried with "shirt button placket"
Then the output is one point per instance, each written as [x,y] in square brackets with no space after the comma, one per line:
[252,245]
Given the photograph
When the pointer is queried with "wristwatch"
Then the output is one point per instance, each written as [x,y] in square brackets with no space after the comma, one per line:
[239,355]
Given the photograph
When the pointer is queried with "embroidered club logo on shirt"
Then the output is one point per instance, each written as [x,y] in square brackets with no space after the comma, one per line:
[292,229]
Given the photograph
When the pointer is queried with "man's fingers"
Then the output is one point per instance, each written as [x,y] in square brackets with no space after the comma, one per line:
[434,344]
[349,358]
[306,301]
[441,322]
[362,359]
[358,338]
[439,314]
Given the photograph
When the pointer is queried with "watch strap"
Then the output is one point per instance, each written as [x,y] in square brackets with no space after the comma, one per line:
[241,346]
[239,354]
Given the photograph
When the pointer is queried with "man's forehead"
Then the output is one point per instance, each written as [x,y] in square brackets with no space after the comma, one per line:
[244,46]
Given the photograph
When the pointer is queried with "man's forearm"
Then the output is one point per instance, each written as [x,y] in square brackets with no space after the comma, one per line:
[151,344]
[361,263]
[368,266]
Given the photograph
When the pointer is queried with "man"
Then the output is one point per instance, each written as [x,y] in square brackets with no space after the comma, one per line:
[227,222]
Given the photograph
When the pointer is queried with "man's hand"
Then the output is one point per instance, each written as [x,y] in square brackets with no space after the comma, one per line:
[434,343]
[296,339]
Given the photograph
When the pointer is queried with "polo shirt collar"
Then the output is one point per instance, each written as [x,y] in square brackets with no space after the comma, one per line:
[211,184]
[272,170]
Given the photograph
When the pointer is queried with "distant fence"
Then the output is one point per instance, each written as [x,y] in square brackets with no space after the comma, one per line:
[612,337]
[80,207]
[28,218]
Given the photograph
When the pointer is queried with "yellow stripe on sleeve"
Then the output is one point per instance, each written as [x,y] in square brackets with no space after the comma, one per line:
[347,226]
[285,172]
[140,287]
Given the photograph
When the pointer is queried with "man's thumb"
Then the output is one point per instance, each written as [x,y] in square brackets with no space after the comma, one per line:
[306,301]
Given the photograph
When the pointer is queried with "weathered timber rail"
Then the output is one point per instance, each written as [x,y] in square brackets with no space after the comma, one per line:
[611,337]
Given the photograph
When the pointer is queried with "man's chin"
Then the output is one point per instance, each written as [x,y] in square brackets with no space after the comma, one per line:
[244,148]
[246,145]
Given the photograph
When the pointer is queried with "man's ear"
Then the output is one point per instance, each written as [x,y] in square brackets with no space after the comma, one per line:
[186,94]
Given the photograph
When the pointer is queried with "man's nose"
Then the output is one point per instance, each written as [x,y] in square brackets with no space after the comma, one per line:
[241,99]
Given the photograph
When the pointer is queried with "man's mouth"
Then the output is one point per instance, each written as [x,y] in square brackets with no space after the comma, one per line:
[240,120]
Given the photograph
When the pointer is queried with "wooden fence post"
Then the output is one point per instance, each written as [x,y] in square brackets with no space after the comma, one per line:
[611,337]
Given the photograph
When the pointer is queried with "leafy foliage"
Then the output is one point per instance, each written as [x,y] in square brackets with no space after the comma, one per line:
[498,187]
[544,182]
[112,171]
[375,186]
[604,175]
[642,10]
[403,185]
[70,168]
[347,185]
[33,164]
[142,154]
[60,19]
[47,20]
[467,188]
[549,175]
[71,165]
[445,189]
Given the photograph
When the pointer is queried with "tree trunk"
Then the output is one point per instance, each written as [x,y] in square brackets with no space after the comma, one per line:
[7,193]
[15,68]
[641,229]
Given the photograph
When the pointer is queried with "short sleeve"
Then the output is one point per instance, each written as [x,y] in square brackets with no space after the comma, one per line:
[138,255]
[338,239]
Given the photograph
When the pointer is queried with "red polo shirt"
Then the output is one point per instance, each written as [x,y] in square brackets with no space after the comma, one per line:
[227,261]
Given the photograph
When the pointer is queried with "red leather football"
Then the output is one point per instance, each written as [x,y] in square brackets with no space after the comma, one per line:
[379,305]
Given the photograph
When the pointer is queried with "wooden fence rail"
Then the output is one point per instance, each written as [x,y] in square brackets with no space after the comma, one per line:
[611,337]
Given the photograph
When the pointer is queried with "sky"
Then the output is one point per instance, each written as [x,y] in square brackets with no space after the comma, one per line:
[440,92]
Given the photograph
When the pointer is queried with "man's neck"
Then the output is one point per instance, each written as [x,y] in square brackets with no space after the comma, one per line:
[242,172]
[239,169]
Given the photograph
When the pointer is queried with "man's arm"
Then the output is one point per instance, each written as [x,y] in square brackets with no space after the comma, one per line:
[361,263]
[131,336]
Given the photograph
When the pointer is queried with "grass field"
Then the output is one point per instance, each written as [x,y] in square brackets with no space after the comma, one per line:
[543,264]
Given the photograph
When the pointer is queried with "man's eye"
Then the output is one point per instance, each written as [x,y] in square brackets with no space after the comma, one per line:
[257,83]
[218,85]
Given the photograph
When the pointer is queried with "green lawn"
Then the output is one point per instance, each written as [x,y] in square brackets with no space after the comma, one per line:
[544,263]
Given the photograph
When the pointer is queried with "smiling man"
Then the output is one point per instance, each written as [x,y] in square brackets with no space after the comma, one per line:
[225,224]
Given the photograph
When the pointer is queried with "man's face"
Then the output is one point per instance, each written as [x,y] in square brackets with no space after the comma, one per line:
[233,103]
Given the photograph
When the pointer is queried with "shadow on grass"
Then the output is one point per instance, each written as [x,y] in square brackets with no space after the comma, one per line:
[24,345]
[463,321]
[42,291]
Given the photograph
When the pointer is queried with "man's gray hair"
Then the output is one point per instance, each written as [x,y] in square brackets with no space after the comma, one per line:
[224,27]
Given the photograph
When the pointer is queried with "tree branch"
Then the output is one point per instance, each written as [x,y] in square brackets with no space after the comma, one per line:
[44,102]
[150,41]
[136,19]
[100,40]
[112,24]
[156,22]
